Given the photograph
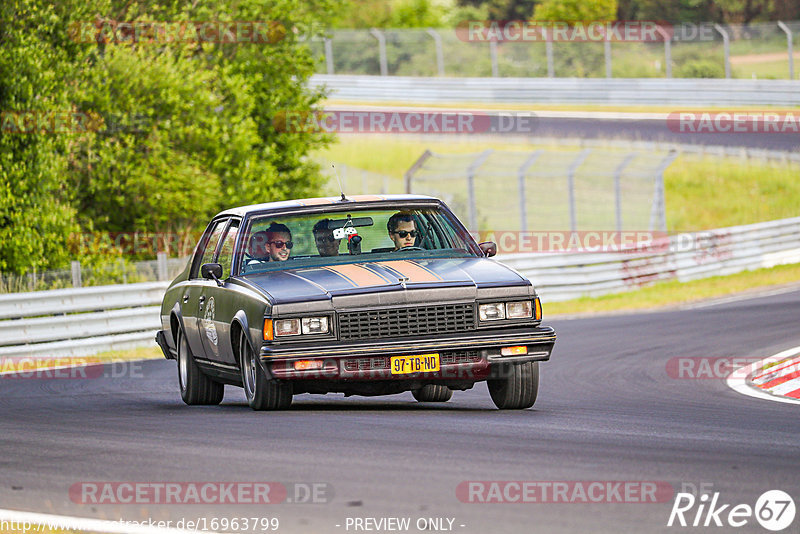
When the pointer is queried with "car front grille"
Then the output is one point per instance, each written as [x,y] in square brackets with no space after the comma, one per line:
[410,321]
[382,362]
[461,356]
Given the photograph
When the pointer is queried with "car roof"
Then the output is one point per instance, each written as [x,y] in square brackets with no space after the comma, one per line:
[322,201]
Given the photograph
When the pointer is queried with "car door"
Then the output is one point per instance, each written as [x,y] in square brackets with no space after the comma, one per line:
[217,303]
[192,308]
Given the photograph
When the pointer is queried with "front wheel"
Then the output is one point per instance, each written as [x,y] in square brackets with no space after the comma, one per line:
[262,393]
[517,387]
[196,387]
[432,393]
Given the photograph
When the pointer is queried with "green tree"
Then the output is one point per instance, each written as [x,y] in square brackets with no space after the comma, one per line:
[576,10]
[391,14]
[503,9]
[166,134]
[36,55]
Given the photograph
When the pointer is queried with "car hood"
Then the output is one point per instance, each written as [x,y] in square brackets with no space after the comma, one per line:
[460,278]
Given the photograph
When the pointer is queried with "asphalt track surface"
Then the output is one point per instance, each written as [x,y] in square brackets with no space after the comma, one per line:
[658,131]
[608,411]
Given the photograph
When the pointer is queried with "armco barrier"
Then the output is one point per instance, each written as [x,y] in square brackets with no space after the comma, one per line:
[80,322]
[688,256]
[621,91]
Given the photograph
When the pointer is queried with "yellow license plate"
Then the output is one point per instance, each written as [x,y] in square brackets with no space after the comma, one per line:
[420,363]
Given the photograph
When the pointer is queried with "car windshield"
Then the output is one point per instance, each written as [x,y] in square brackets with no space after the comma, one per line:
[284,242]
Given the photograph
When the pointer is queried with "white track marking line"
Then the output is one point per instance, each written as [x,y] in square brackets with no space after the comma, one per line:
[84,523]
[737,380]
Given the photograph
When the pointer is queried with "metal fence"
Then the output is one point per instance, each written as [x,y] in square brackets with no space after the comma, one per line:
[761,50]
[547,189]
[81,275]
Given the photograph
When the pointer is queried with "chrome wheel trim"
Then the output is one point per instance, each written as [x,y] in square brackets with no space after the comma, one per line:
[248,368]
[183,362]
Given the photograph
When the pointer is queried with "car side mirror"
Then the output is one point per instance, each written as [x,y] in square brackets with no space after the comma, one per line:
[212,271]
[489,248]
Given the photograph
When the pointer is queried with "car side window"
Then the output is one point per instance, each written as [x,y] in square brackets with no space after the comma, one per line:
[207,255]
[225,257]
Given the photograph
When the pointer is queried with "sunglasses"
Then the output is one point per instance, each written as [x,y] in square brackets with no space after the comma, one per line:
[281,244]
[404,233]
[325,239]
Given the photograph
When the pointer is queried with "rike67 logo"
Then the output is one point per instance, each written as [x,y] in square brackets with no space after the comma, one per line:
[774,510]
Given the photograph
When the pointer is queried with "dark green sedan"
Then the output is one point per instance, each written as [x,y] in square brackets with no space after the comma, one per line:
[369,295]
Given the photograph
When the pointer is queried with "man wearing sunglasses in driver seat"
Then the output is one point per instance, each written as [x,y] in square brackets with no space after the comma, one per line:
[279,242]
[402,230]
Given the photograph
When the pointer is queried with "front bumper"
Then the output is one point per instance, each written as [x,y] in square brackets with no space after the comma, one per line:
[462,357]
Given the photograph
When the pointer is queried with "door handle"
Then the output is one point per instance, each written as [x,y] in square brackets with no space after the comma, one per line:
[186,298]
[201,301]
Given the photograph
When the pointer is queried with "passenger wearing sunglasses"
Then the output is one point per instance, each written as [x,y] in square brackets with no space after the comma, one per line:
[327,245]
[279,242]
[402,230]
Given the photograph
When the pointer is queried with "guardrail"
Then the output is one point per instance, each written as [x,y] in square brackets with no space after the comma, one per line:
[84,321]
[622,91]
[683,257]
[81,321]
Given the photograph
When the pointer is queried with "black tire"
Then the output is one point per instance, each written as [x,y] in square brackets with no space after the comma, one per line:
[262,393]
[517,388]
[432,393]
[196,387]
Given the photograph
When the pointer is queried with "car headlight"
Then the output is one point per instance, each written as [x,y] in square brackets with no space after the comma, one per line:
[496,311]
[298,326]
[287,327]
[518,310]
[315,325]
[492,312]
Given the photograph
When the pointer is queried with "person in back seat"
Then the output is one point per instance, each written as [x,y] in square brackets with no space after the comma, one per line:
[257,249]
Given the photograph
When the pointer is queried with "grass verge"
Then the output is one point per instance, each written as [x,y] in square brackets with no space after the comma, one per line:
[144,353]
[671,293]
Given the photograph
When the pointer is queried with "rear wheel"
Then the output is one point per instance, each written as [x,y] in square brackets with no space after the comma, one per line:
[262,392]
[517,388]
[432,393]
[196,387]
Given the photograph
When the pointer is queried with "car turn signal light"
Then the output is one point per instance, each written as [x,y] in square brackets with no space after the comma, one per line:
[514,351]
[267,329]
[306,365]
